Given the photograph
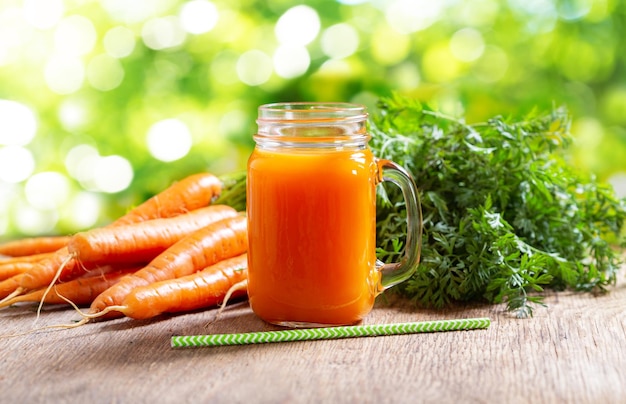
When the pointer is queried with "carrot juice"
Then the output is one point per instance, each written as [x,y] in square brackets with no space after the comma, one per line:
[312,258]
[311,210]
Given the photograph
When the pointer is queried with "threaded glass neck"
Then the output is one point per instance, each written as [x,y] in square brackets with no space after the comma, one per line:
[312,125]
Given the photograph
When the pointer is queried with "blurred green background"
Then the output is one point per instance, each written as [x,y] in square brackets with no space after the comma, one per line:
[103,103]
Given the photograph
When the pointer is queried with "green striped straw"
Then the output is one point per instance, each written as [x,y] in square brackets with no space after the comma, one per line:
[308,334]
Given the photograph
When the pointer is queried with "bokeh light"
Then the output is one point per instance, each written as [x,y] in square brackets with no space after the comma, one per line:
[14,33]
[104,72]
[291,61]
[73,113]
[254,67]
[408,16]
[108,174]
[574,10]
[388,46]
[47,190]
[340,41]
[539,16]
[75,35]
[112,174]
[83,211]
[198,16]
[119,41]
[467,44]
[31,221]
[64,74]
[16,164]
[298,26]
[163,33]
[18,123]
[131,12]
[223,68]
[43,14]
[169,140]
[618,182]
[80,162]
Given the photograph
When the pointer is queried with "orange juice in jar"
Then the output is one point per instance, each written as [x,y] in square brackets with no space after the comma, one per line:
[312,216]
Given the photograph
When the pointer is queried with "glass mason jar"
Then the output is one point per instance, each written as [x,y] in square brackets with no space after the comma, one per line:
[311,212]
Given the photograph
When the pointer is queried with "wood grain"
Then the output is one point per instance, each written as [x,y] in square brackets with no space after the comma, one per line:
[573,351]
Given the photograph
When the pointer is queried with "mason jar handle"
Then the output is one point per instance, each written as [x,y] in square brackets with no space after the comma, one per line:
[397,272]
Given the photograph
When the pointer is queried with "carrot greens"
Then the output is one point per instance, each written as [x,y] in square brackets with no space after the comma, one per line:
[505,213]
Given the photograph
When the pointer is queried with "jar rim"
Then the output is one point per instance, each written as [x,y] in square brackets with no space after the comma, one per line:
[311,112]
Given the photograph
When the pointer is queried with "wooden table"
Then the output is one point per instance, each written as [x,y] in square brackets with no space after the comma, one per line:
[573,351]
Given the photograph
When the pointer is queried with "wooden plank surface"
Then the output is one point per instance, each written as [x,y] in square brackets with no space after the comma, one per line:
[573,351]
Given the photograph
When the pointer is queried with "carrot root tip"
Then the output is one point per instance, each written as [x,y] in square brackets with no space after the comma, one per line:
[103,312]
[242,285]
[47,327]
[54,280]
[236,287]
[8,300]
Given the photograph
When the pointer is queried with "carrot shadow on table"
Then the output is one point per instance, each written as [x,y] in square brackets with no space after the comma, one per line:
[144,340]
[235,318]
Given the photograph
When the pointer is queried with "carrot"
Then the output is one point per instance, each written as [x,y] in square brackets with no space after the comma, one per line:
[144,240]
[16,265]
[25,258]
[43,272]
[10,287]
[202,289]
[192,192]
[32,245]
[59,266]
[11,269]
[207,246]
[80,291]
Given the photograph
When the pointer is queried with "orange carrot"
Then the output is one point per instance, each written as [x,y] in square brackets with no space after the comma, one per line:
[11,269]
[43,273]
[25,258]
[17,265]
[207,246]
[81,291]
[202,289]
[144,240]
[32,245]
[192,192]
[10,286]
